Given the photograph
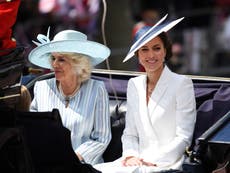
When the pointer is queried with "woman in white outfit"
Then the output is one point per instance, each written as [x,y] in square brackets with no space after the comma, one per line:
[161,108]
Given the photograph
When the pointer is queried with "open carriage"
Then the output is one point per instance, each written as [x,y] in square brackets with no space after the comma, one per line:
[37,142]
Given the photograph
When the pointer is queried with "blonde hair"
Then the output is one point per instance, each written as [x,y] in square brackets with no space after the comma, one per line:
[24,100]
[81,65]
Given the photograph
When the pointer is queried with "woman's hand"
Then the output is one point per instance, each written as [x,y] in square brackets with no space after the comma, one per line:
[148,163]
[132,161]
[135,161]
[80,157]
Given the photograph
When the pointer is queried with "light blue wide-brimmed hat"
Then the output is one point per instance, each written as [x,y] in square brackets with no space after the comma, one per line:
[67,41]
[151,33]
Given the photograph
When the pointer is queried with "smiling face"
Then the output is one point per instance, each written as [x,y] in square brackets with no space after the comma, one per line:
[62,67]
[152,55]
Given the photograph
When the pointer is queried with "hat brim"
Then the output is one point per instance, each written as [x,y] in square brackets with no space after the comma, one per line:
[97,52]
[152,33]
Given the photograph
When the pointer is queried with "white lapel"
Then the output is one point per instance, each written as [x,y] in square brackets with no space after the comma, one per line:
[144,117]
[140,83]
[158,93]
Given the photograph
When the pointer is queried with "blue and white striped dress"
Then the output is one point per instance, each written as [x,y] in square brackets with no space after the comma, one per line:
[87,116]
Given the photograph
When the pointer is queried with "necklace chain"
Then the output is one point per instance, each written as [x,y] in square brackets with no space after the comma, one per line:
[149,90]
[67,97]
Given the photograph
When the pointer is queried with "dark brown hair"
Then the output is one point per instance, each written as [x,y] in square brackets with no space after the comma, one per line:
[167,44]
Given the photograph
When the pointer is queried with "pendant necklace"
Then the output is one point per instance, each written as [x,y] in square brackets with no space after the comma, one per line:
[149,91]
[67,97]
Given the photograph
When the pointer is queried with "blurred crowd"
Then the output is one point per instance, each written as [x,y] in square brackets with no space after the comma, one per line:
[201,42]
[35,17]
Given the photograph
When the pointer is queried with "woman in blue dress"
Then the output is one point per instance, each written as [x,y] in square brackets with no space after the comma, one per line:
[82,102]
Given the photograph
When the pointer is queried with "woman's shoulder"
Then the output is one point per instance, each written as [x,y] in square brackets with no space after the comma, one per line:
[94,83]
[136,82]
[180,77]
[137,78]
[181,81]
[50,81]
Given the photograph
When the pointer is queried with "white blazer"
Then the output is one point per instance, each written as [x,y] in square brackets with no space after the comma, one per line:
[160,131]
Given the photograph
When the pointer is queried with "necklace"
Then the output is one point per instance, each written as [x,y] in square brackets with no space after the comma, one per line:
[150,90]
[67,97]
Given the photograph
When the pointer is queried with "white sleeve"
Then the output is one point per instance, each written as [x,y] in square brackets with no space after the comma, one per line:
[185,122]
[130,139]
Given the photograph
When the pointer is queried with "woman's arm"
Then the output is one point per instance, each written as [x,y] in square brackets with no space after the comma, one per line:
[185,122]
[130,136]
[100,137]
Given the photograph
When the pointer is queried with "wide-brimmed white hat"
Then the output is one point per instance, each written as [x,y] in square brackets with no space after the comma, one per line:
[153,32]
[67,41]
